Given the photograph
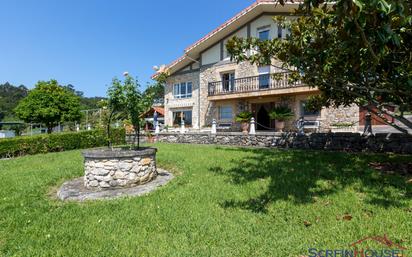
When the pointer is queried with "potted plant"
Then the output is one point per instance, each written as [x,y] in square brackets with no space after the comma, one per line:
[149,135]
[281,114]
[244,119]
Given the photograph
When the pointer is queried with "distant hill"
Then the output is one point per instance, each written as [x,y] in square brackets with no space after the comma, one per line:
[10,96]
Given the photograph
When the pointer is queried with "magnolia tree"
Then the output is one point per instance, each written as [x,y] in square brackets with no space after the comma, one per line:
[126,97]
[353,51]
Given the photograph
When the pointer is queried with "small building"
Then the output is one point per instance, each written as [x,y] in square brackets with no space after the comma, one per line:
[156,112]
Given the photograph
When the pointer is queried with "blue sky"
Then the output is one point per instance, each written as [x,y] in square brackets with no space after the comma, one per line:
[88,42]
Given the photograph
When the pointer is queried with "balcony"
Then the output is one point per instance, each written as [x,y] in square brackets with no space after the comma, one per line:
[267,84]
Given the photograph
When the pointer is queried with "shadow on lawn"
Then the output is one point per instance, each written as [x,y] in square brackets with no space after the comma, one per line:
[305,176]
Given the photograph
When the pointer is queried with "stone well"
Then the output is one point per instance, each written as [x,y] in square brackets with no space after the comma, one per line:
[119,168]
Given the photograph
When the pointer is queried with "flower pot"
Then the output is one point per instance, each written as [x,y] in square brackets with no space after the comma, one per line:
[245,127]
[280,125]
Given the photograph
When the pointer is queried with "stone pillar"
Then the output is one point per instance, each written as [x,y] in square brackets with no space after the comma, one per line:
[77,127]
[182,127]
[252,127]
[213,127]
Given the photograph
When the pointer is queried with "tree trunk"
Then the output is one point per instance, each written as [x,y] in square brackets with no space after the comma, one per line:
[109,141]
[138,135]
[49,128]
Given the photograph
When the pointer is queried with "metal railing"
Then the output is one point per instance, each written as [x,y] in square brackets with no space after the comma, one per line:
[252,84]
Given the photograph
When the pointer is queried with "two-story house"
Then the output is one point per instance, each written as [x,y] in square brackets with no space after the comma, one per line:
[204,84]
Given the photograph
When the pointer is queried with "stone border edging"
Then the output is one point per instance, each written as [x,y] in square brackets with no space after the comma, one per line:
[74,190]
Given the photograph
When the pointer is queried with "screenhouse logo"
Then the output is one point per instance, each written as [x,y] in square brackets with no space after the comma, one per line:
[389,249]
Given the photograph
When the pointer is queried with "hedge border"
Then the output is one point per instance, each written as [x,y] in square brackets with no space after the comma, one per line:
[29,145]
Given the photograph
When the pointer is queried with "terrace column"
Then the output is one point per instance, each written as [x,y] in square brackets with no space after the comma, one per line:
[252,127]
[213,132]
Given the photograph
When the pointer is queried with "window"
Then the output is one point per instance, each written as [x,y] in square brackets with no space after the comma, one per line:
[264,34]
[228,81]
[264,77]
[225,112]
[185,114]
[182,90]
[305,112]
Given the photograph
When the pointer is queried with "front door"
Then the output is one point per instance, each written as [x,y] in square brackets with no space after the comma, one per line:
[262,119]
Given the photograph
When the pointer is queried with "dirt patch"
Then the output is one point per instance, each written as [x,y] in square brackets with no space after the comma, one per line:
[403,169]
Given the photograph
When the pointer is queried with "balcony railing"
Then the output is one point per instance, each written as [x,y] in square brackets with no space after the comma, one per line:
[252,84]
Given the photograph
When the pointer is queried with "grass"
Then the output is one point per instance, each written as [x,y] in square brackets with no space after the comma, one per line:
[224,202]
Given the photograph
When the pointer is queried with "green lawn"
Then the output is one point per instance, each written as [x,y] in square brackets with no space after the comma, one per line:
[224,202]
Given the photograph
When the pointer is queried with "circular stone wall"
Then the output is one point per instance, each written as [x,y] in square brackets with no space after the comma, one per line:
[109,169]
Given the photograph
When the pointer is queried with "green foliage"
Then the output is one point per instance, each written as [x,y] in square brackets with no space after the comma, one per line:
[352,51]
[49,103]
[58,142]
[244,116]
[126,97]
[281,113]
[10,96]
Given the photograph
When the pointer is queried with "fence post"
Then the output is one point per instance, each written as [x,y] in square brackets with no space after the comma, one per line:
[252,127]
[213,132]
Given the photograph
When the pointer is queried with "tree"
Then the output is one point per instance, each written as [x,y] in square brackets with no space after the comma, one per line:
[353,51]
[127,97]
[49,103]
[10,96]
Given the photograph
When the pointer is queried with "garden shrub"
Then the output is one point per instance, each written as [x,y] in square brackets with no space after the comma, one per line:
[28,145]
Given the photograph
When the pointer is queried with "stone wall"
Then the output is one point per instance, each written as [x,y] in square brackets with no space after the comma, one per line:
[106,169]
[351,142]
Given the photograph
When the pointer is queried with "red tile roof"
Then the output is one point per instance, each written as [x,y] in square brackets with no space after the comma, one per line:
[160,110]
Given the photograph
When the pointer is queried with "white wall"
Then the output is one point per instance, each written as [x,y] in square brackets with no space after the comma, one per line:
[242,33]
[212,55]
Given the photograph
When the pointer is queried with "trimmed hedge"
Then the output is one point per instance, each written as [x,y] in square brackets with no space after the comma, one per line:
[58,142]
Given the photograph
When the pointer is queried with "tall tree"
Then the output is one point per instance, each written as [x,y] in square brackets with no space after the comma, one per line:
[354,51]
[49,103]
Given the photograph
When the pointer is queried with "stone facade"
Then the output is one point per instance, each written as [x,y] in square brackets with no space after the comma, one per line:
[105,169]
[213,73]
[205,110]
[334,116]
